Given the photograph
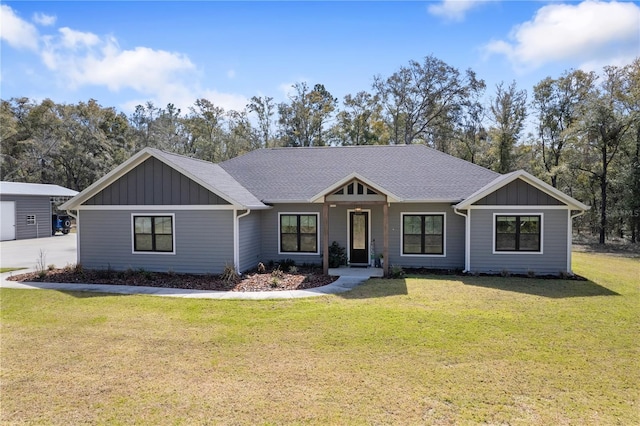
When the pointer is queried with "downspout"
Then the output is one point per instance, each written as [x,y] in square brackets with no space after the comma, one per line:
[467,238]
[77,234]
[570,238]
[236,237]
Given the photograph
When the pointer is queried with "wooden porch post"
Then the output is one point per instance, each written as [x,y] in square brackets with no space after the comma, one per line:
[385,244]
[325,238]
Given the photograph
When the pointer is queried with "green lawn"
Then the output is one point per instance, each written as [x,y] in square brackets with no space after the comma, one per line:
[3,270]
[429,350]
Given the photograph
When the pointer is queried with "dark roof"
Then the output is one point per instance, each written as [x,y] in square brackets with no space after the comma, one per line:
[410,172]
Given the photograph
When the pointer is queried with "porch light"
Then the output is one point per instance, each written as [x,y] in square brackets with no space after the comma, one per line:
[358,209]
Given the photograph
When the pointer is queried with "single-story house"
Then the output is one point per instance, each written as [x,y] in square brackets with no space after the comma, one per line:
[26,208]
[410,205]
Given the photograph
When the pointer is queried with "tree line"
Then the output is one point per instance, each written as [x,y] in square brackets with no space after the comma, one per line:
[583,135]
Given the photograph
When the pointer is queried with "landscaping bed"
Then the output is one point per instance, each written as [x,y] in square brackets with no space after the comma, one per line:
[268,280]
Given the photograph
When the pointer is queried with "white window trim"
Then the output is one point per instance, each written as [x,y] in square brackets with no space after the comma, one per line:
[30,223]
[444,233]
[349,234]
[299,253]
[519,213]
[153,253]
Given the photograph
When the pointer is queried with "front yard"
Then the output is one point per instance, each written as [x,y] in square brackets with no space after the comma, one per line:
[428,350]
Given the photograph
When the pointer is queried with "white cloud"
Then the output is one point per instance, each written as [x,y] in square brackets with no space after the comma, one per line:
[454,10]
[72,39]
[44,19]
[231,73]
[17,32]
[588,32]
[78,59]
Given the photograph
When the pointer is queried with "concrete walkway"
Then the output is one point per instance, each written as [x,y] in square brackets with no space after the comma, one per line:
[61,251]
[344,283]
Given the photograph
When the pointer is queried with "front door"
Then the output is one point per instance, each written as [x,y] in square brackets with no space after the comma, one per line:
[359,238]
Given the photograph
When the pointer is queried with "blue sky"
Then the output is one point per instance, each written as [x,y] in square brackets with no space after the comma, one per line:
[126,53]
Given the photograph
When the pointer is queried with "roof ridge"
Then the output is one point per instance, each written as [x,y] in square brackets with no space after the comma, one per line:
[184,156]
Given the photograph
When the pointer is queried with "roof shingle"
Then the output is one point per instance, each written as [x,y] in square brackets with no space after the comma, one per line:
[411,172]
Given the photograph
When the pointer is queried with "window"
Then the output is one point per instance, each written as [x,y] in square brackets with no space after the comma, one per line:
[423,234]
[31,219]
[517,233]
[298,233]
[153,233]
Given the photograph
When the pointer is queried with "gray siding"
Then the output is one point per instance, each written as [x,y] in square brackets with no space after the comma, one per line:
[203,241]
[154,183]
[40,206]
[553,259]
[250,241]
[454,235]
[338,218]
[518,192]
[270,229]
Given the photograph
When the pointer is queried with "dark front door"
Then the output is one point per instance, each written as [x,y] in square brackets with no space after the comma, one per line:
[359,238]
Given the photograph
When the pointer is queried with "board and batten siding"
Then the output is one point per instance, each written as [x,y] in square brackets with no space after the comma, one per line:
[552,260]
[203,241]
[250,241]
[518,193]
[25,205]
[454,236]
[154,183]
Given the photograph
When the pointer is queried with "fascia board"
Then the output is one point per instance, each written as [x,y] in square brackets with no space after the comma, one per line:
[107,179]
[528,178]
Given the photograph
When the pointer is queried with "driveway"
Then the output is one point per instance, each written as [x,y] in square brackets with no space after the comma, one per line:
[59,251]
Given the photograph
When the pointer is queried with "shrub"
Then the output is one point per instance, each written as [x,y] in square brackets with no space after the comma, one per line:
[337,255]
[230,275]
[277,273]
[293,269]
[396,272]
[261,268]
[531,273]
[505,273]
[51,267]
[286,264]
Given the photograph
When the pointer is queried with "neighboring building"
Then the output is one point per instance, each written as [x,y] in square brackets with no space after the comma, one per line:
[26,209]
[409,204]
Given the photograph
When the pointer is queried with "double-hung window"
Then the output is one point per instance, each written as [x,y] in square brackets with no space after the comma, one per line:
[423,234]
[518,233]
[298,233]
[153,234]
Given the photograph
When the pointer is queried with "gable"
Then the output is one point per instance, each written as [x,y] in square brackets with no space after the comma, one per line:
[152,182]
[354,191]
[518,193]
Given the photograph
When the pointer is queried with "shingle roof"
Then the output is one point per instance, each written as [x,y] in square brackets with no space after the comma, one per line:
[411,172]
[44,189]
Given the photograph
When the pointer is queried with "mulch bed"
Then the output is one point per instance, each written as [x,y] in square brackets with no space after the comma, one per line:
[254,281]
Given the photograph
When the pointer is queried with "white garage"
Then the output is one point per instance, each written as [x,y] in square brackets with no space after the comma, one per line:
[27,208]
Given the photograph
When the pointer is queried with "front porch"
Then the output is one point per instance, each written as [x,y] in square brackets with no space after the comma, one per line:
[351,272]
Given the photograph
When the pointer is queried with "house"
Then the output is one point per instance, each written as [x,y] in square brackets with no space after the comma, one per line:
[26,209]
[409,204]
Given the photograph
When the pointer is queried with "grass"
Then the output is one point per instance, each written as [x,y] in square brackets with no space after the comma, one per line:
[3,270]
[422,350]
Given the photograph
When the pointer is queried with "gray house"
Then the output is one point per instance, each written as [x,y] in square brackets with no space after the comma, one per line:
[410,205]
[26,208]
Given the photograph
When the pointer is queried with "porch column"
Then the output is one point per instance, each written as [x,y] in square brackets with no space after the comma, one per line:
[385,244]
[325,238]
